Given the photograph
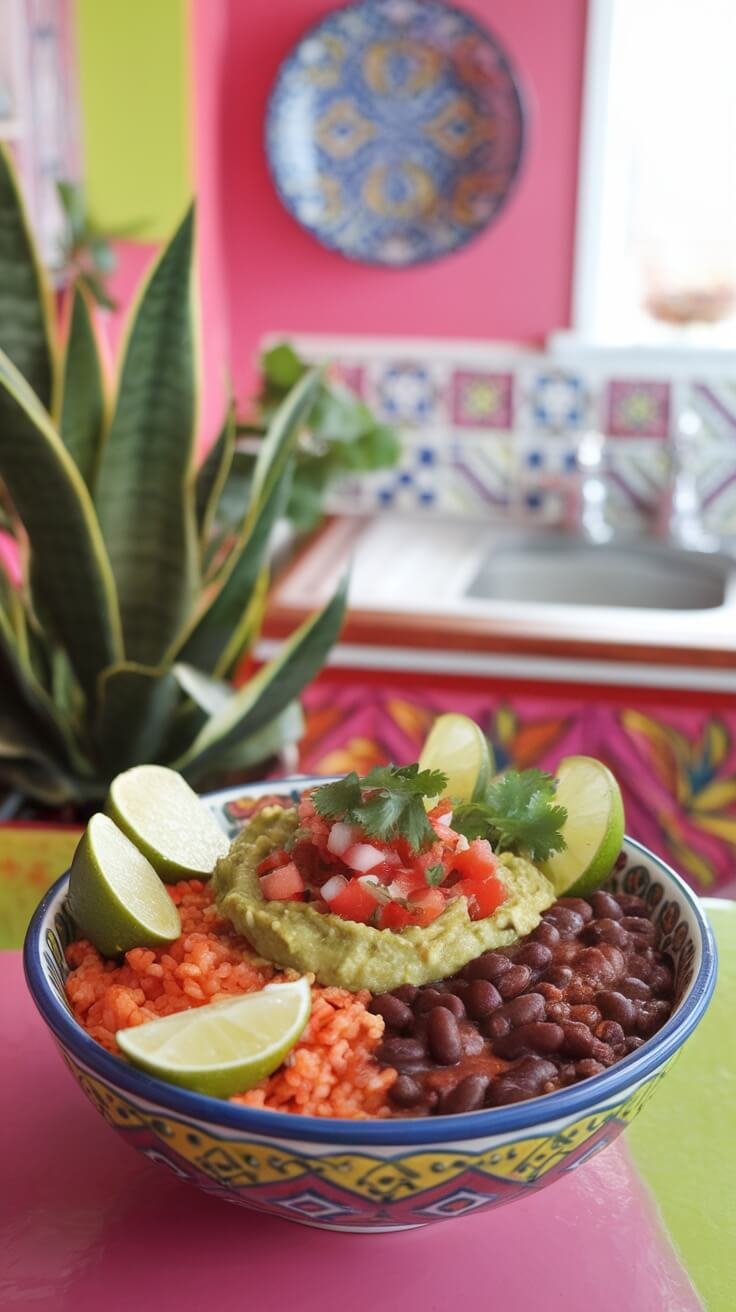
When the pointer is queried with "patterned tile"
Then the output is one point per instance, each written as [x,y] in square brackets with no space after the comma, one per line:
[556,401]
[637,408]
[635,475]
[406,393]
[481,399]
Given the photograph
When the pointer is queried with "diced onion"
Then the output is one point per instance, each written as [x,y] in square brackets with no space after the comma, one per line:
[447,819]
[363,857]
[334,885]
[462,844]
[342,836]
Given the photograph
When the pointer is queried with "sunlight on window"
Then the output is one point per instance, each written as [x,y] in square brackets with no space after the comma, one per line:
[665,259]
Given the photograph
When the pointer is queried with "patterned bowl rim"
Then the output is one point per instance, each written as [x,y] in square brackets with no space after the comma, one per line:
[404,1130]
[273,110]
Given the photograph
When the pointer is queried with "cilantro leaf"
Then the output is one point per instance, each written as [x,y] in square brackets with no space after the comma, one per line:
[518,813]
[388,803]
[435,875]
[339,798]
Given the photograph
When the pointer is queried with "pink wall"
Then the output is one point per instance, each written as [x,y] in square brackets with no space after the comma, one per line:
[513,283]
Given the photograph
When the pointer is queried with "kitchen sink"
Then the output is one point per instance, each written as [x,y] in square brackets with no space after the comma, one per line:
[564,572]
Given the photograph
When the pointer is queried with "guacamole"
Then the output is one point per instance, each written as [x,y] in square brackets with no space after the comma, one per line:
[357,956]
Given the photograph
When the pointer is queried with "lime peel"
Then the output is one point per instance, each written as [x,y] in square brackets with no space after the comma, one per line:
[167,822]
[457,746]
[115,896]
[593,831]
[224,1047]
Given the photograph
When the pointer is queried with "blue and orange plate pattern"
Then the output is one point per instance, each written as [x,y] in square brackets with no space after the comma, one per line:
[395,130]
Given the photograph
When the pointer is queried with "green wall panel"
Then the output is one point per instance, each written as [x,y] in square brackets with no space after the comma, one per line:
[134,88]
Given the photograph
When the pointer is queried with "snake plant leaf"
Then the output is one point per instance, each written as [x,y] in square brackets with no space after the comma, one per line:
[247,630]
[26,310]
[35,776]
[72,578]
[212,476]
[213,629]
[209,694]
[283,431]
[144,494]
[136,704]
[83,395]
[257,748]
[24,702]
[276,684]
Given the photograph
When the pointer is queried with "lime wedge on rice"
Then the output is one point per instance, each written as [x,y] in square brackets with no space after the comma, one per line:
[457,746]
[168,823]
[593,831]
[115,896]
[223,1048]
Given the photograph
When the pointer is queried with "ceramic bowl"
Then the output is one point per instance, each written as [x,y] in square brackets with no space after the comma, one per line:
[378,1175]
[395,129]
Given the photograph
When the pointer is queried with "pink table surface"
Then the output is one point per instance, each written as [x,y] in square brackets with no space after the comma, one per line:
[87,1224]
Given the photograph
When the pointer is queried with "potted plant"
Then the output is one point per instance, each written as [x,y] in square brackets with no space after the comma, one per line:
[131,605]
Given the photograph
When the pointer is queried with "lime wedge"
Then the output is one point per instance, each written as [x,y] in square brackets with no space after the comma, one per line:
[594,829]
[225,1047]
[457,746]
[168,823]
[115,895]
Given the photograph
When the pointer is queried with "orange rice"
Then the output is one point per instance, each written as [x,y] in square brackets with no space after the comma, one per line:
[332,1070]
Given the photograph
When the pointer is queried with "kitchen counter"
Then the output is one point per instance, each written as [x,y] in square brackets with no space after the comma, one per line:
[409,590]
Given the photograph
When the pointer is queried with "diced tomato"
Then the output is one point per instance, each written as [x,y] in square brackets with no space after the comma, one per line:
[354,902]
[484,895]
[394,916]
[445,834]
[478,862]
[426,906]
[271,862]
[404,882]
[284,884]
[442,808]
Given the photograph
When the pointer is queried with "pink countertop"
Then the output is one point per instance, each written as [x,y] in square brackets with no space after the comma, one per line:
[87,1224]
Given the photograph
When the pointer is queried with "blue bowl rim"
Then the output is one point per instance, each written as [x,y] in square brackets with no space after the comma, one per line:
[403,1131]
[318,233]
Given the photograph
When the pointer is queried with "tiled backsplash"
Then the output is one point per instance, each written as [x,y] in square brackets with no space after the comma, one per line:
[494,430]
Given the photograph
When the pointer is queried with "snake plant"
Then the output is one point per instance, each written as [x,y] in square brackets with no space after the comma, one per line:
[122,627]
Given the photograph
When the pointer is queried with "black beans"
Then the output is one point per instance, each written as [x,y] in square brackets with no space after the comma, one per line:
[513,981]
[567,923]
[534,955]
[616,1006]
[401,1052]
[426,999]
[539,1036]
[443,1037]
[610,1032]
[396,1013]
[605,905]
[607,931]
[577,1040]
[524,1009]
[407,1091]
[546,934]
[452,1003]
[481,998]
[579,905]
[587,987]
[467,1096]
[490,966]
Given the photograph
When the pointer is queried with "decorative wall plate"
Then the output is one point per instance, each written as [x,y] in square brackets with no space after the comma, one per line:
[395,130]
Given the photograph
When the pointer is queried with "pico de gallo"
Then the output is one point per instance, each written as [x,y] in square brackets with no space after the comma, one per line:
[339,870]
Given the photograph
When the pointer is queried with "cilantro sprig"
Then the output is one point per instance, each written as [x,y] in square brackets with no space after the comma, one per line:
[387,803]
[517,813]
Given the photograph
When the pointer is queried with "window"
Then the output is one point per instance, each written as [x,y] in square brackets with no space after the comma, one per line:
[656,233]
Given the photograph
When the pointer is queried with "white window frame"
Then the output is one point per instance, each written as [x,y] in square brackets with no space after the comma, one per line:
[600,220]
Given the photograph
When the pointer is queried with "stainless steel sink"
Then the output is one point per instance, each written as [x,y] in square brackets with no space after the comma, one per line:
[566,572]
